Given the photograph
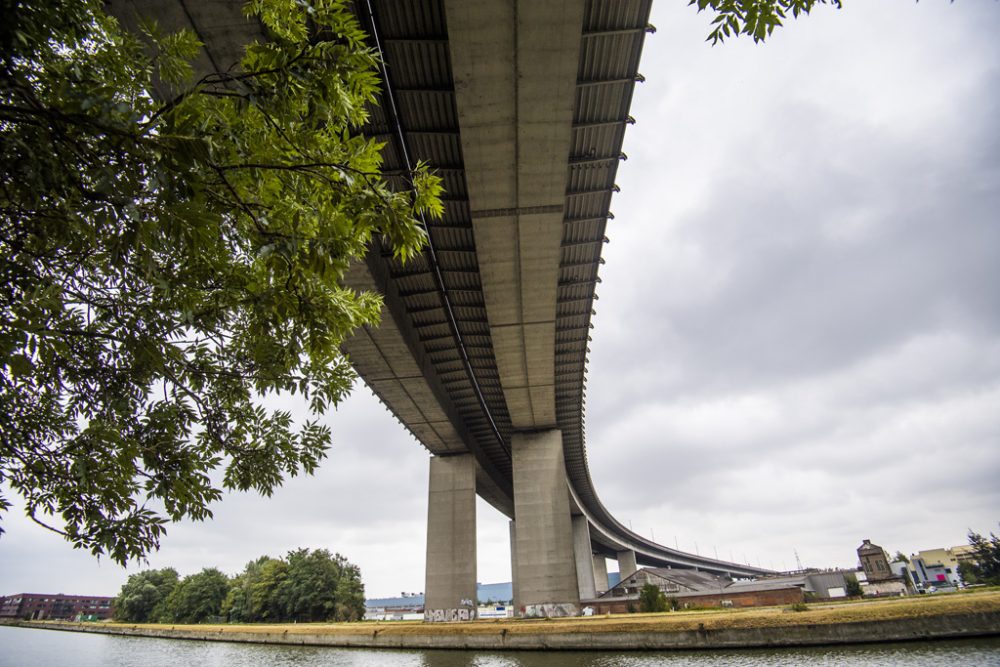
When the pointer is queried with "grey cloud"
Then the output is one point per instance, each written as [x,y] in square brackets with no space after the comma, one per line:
[799,331]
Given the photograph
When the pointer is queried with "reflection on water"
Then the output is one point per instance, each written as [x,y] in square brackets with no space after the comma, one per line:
[21,647]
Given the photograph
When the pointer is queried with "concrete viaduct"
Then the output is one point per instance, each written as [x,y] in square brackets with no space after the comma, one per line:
[521,106]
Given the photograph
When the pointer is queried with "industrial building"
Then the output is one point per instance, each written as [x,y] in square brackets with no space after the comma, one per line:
[47,606]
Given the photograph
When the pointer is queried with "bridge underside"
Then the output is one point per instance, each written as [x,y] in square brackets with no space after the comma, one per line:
[521,108]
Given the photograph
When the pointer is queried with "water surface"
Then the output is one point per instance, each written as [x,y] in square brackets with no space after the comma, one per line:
[22,647]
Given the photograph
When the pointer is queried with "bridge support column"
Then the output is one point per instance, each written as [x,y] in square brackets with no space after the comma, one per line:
[600,573]
[546,565]
[451,539]
[584,558]
[516,600]
[626,563]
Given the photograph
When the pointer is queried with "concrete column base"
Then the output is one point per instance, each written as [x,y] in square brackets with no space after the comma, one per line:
[552,610]
[545,561]
[450,594]
[516,601]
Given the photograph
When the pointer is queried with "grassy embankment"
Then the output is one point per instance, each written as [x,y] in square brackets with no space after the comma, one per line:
[987,601]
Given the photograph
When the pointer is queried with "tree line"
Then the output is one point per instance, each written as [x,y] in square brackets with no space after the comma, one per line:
[305,586]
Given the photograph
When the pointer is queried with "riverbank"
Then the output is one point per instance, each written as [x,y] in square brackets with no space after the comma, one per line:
[899,619]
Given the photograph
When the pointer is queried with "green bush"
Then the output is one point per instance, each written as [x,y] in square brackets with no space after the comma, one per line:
[652,599]
[853,588]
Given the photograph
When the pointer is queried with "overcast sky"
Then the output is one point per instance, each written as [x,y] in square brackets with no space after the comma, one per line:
[797,343]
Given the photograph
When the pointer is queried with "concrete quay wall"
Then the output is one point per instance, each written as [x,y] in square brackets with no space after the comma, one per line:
[974,624]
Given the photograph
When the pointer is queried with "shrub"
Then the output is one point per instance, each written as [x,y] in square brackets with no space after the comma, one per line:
[652,599]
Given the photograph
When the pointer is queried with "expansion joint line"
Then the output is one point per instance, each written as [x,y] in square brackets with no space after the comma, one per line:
[431,252]
[517,216]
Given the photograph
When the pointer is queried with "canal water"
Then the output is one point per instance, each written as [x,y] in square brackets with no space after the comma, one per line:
[21,647]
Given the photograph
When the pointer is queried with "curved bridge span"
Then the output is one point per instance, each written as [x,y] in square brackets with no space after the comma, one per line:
[521,107]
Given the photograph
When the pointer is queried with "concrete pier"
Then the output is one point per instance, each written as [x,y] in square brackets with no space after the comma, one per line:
[451,539]
[546,564]
[584,558]
[600,573]
[626,563]
[516,601]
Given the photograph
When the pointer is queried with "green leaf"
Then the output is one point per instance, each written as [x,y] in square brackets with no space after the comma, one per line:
[20,365]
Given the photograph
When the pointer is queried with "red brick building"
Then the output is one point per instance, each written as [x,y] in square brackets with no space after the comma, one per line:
[38,606]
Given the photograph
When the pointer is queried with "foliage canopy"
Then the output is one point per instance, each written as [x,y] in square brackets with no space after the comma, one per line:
[305,586]
[652,599]
[168,260]
[755,18]
[196,598]
[985,567]
[253,595]
[143,597]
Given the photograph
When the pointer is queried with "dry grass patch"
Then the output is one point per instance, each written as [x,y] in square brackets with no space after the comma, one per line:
[714,619]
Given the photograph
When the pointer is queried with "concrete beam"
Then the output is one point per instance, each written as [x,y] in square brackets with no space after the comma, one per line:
[515,66]
[545,561]
[451,539]
[600,573]
[584,558]
[626,563]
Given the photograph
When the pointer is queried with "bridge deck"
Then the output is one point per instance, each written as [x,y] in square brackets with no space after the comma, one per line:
[521,108]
